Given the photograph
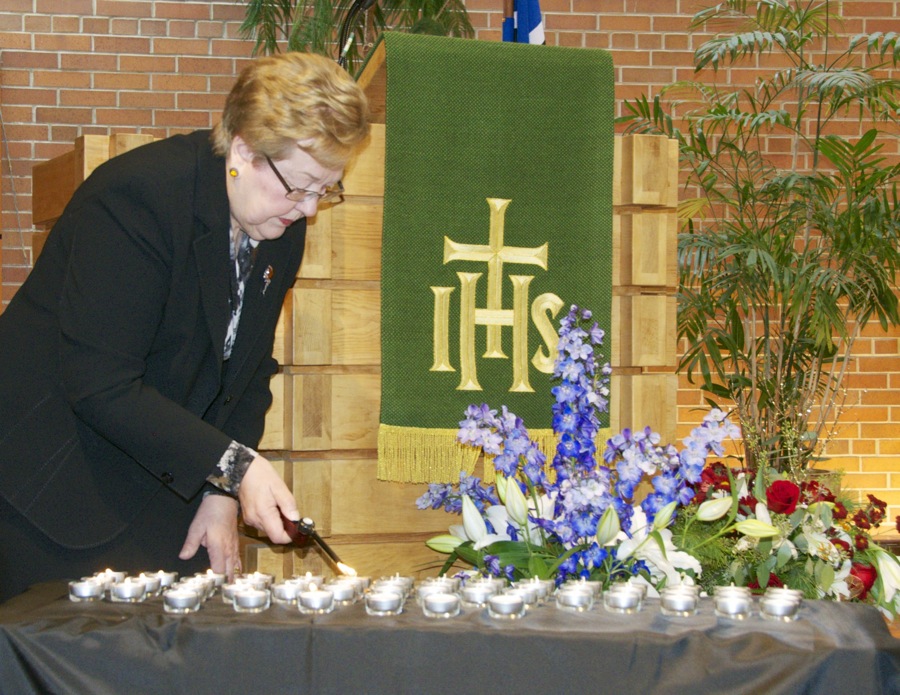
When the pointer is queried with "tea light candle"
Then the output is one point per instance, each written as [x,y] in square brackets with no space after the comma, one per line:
[166,579]
[423,590]
[251,600]
[575,599]
[779,608]
[477,594]
[152,581]
[528,593]
[542,587]
[440,605]
[595,587]
[624,600]
[181,600]
[310,578]
[129,590]
[678,602]
[112,576]
[286,592]
[384,603]
[217,578]
[732,605]
[344,592]
[506,606]
[85,590]
[315,601]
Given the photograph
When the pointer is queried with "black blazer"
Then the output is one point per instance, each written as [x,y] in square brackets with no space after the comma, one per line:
[112,387]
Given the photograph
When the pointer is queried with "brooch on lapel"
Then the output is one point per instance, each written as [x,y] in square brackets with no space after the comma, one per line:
[268,274]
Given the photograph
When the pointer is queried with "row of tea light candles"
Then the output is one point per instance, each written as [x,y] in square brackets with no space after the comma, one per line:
[440,597]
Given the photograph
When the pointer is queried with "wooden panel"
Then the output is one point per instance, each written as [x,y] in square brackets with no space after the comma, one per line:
[387,557]
[645,249]
[312,341]
[356,241]
[364,176]
[361,504]
[355,405]
[54,181]
[282,350]
[317,251]
[313,489]
[311,428]
[644,330]
[278,421]
[356,327]
[122,142]
[648,166]
[373,80]
[639,400]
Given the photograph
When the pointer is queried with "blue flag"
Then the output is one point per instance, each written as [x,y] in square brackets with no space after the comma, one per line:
[526,25]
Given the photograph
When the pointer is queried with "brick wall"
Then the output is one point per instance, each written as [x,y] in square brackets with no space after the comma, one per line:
[71,67]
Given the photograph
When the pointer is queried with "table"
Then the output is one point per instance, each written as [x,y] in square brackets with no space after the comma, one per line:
[49,644]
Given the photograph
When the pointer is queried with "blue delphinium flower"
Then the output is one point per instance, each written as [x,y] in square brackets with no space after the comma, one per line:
[566,506]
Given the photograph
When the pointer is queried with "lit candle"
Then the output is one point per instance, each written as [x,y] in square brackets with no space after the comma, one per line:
[85,590]
[529,593]
[575,599]
[112,576]
[678,602]
[384,603]
[286,592]
[315,601]
[218,579]
[344,592]
[622,598]
[506,606]
[166,579]
[732,605]
[181,600]
[478,593]
[129,590]
[153,582]
[251,600]
[440,605]
[778,608]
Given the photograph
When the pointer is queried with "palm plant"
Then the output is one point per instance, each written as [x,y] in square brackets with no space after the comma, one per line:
[314,25]
[786,254]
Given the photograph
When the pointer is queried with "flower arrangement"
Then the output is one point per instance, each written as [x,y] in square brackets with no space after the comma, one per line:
[648,510]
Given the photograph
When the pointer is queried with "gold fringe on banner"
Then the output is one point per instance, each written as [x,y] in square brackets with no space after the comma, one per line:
[432,455]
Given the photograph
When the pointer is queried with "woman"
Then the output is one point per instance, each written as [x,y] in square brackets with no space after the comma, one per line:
[135,359]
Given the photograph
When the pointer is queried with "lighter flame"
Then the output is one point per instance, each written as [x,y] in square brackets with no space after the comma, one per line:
[346,569]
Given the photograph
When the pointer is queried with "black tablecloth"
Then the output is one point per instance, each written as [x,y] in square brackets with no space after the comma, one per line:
[49,644]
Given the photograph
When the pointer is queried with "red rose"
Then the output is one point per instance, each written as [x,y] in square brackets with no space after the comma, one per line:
[773,581]
[866,575]
[782,497]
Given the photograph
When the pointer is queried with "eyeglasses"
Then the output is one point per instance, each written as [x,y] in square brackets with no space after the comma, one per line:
[332,194]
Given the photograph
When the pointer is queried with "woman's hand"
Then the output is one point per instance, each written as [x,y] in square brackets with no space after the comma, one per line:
[215,528]
[265,498]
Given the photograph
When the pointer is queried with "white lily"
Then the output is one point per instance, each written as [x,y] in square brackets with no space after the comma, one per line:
[516,504]
[888,572]
[714,509]
[664,516]
[445,543]
[661,560]
[473,522]
[608,528]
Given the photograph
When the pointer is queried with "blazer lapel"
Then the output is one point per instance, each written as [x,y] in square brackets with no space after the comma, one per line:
[213,220]
[263,296]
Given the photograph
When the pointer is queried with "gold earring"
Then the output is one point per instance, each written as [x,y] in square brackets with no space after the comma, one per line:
[233,173]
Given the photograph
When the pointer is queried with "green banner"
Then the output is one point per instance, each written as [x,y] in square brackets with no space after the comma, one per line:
[497,218]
